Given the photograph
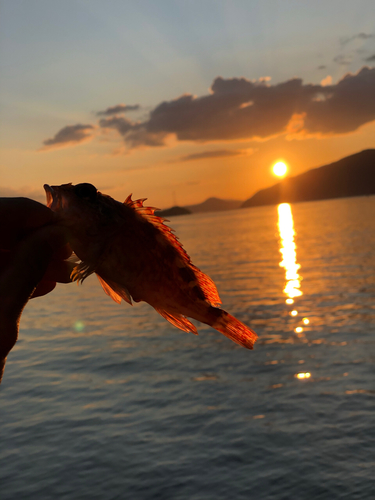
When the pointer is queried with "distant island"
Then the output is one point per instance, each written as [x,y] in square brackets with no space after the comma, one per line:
[214,205]
[173,211]
[209,205]
[351,176]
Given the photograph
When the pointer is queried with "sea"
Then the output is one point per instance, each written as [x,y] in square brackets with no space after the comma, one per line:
[102,401]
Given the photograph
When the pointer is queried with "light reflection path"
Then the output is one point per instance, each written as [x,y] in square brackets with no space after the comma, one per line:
[288,252]
[289,263]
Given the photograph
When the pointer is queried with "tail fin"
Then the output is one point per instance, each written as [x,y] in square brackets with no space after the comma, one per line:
[232,328]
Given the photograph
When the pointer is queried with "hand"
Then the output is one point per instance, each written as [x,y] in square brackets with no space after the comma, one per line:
[33,249]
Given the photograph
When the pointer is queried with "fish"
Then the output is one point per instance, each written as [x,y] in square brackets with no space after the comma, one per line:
[137,257]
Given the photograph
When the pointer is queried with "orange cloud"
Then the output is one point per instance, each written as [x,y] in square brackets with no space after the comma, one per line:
[326,81]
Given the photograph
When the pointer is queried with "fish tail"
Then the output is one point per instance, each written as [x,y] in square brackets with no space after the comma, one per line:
[232,328]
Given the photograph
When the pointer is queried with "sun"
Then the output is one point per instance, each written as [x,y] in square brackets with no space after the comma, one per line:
[279,169]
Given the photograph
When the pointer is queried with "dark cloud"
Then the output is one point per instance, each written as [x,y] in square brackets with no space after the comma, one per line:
[122,125]
[345,106]
[214,154]
[235,109]
[120,108]
[71,134]
[134,134]
[322,67]
[359,36]
[240,109]
[370,59]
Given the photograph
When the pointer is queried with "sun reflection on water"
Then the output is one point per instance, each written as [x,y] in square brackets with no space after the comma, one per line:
[288,252]
[303,375]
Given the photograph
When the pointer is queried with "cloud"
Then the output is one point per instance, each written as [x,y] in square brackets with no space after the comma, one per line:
[122,125]
[326,81]
[120,108]
[347,105]
[69,136]
[240,109]
[235,109]
[221,153]
[370,59]
[359,36]
[322,66]
[134,133]
[221,115]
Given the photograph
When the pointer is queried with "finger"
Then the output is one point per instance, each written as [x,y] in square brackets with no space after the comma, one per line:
[43,288]
[2,366]
[19,280]
[63,252]
[59,270]
[19,216]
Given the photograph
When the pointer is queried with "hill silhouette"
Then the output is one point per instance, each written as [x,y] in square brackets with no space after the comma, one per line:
[353,175]
[214,205]
[173,211]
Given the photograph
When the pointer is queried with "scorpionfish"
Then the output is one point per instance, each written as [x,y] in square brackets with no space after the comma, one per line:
[137,257]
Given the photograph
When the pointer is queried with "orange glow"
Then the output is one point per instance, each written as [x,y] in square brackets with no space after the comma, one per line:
[288,252]
[294,313]
[306,321]
[279,169]
[299,329]
[289,301]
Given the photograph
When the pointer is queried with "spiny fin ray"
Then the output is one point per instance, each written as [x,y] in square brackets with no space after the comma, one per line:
[108,290]
[115,291]
[179,321]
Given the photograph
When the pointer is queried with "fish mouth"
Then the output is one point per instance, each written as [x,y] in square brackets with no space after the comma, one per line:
[53,198]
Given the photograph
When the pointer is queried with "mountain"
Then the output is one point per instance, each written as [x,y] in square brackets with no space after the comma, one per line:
[351,176]
[214,205]
[173,211]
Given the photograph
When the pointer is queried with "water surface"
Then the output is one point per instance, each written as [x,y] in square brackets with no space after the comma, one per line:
[101,401]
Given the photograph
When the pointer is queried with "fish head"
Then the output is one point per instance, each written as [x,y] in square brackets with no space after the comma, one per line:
[70,199]
[80,209]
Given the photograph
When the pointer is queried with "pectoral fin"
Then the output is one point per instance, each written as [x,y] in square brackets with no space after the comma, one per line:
[81,271]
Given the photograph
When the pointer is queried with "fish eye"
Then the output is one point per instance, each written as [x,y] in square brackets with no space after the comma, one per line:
[86,191]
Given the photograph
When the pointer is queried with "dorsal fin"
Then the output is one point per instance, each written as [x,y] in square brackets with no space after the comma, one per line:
[158,222]
[207,285]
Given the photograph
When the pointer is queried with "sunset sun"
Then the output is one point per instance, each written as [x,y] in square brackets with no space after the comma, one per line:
[279,169]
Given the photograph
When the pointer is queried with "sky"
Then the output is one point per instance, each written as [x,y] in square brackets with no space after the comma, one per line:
[181,100]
